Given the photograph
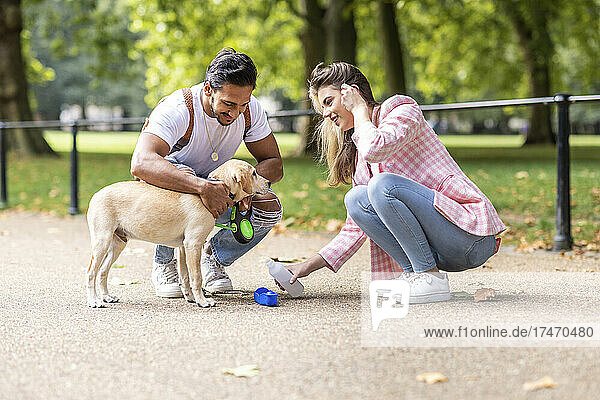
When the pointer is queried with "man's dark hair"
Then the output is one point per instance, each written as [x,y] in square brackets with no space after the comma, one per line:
[230,67]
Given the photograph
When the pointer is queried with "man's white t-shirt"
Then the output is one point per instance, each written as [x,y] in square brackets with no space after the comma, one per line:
[169,121]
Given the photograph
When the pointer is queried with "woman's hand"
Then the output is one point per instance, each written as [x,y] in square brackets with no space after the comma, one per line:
[300,270]
[354,102]
[351,98]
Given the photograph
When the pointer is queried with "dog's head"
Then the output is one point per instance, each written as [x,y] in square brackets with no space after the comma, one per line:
[242,179]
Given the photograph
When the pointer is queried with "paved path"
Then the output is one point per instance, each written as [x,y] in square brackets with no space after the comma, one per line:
[53,346]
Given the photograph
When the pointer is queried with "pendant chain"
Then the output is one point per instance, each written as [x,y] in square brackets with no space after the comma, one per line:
[214,155]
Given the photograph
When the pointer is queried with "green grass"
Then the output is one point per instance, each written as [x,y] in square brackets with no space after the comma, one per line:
[124,142]
[519,181]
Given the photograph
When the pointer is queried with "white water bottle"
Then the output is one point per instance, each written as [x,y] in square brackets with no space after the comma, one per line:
[283,276]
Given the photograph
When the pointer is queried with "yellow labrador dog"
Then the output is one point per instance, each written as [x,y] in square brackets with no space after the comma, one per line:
[138,210]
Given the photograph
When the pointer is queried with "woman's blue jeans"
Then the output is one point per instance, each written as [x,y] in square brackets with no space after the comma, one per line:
[398,215]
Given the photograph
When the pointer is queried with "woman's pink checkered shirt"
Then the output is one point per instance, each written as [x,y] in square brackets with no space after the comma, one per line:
[402,142]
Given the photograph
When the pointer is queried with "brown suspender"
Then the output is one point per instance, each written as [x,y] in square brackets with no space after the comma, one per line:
[189,102]
[185,139]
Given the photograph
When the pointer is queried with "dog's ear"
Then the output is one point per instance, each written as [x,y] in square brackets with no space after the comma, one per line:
[246,180]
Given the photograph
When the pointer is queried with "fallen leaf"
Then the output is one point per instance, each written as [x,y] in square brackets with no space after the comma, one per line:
[334,225]
[522,175]
[432,377]
[462,294]
[286,260]
[245,371]
[120,282]
[278,229]
[483,294]
[300,195]
[322,184]
[543,383]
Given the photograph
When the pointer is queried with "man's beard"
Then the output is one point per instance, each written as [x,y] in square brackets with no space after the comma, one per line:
[212,109]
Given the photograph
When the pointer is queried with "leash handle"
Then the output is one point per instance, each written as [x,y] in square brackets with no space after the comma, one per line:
[225,227]
[240,225]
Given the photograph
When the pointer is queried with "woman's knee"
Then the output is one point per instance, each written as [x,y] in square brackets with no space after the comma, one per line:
[356,200]
[385,185]
[381,184]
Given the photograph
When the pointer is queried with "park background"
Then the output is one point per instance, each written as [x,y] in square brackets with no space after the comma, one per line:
[101,59]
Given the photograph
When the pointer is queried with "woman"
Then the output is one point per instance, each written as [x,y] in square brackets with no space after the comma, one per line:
[421,212]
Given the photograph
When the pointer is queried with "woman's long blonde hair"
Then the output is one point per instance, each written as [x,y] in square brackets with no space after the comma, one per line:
[335,146]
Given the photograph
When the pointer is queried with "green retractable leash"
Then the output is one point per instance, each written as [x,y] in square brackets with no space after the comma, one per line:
[239,224]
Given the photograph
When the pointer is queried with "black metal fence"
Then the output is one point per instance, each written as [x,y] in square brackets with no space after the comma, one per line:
[562,239]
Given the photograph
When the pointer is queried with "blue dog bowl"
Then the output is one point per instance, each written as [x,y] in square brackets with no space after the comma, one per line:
[265,297]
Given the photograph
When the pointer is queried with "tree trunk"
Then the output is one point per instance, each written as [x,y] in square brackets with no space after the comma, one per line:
[341,32]
[14,100]
[392,48]
[531,26]
[312,37]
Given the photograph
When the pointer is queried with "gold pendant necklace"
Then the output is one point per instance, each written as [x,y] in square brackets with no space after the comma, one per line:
[214,155]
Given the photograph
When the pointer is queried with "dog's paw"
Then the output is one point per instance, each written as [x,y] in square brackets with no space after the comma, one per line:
[107,298]
[206,303]
[96,304]
[189,297]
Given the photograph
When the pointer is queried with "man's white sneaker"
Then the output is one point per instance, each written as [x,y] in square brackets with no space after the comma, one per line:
[214,277]
[428,288]
[166,279]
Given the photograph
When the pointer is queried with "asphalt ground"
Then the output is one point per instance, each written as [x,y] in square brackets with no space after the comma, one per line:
[320,346]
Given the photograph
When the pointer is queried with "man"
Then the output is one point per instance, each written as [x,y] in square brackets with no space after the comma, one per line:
[188,135]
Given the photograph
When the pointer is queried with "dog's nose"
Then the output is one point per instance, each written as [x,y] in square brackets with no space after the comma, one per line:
[269,184]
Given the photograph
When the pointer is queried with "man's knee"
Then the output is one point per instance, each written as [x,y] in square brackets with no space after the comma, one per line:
[267,210]
[266,202]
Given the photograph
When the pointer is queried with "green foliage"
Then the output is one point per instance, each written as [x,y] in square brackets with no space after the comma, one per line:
[468,49]
[86,44]
[181,38]
[35,71]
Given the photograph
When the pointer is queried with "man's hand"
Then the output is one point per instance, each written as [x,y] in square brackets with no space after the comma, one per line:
[245,203]
[215,197]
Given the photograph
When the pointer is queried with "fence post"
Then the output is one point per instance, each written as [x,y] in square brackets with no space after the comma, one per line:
[74,202]
[563,239]
[3,183]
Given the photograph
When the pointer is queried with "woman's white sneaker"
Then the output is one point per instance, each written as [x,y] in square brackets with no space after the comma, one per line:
[405,275]
[426,287]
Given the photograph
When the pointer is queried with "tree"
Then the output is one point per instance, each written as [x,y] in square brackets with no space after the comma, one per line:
[470,50]
[332,25]
[393,55]
[88,45]
[312,36]
[530,20]
[14,92]
[341,32]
